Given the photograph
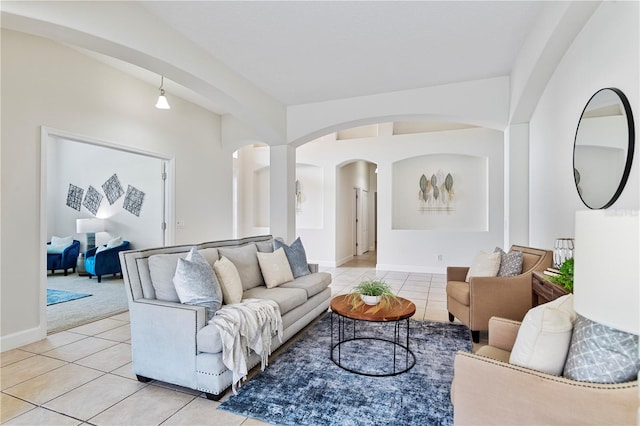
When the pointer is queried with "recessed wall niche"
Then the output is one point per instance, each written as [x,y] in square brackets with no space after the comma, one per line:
[468,201]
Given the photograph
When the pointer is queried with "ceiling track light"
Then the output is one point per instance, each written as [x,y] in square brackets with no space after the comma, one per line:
[162,99]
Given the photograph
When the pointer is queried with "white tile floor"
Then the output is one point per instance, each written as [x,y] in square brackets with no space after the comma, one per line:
[83,375]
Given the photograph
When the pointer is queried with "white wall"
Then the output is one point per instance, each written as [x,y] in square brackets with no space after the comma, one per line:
[606,53]
[411,250]
[47,84]
[84,164]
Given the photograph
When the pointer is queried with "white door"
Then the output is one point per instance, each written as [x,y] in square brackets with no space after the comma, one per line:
[363,220]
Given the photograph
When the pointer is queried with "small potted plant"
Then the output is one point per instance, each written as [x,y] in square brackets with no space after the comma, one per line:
[565,279]
[371,292]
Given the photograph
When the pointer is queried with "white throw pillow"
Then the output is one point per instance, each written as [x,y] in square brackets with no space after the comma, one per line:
[484,265]
[543,338]
[61,242]
[275,268]
[117,241]
[229,280]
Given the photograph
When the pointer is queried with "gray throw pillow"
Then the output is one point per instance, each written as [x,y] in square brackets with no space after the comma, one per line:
[510,263]
[245,259]
[601,354]
[264,246]
[196,283]
[296,256]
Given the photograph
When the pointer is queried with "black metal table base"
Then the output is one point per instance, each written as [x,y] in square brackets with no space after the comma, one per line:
[400,350]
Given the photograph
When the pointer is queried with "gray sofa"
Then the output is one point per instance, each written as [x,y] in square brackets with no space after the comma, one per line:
[173,343]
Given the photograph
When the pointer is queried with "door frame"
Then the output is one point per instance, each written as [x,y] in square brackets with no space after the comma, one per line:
[47,136]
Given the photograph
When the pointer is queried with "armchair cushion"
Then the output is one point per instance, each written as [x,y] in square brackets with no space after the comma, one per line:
[543,339]
[601,354]
[196,283]
[484,265]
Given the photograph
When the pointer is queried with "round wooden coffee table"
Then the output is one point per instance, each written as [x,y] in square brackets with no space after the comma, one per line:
[398,312]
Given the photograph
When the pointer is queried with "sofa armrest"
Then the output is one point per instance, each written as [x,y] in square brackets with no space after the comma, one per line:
[485,391]
[457,273]
[503,333]
[163,336]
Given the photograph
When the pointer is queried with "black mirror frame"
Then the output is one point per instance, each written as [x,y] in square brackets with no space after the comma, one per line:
[630,150]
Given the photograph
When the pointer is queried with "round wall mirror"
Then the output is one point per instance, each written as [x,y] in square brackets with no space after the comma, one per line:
[603,148]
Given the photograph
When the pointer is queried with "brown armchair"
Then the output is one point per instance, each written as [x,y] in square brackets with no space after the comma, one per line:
[474,302]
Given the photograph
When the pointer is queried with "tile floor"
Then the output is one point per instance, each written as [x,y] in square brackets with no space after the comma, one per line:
[83,375]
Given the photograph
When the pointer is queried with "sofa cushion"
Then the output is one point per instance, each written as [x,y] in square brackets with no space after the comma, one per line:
[208,339]
[246,261]
[296,255]
[162,268]
[484,265]
[196,283]
[275,268]
[264,246]
[601,354]
[286,298]
[543,338]
[229,280]
[510,263]
[312,283]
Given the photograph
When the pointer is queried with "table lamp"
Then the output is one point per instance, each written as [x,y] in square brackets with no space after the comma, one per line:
[606,278]
[89,227]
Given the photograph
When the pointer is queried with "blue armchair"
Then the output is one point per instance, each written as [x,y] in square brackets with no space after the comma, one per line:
[106,261]
[65,260]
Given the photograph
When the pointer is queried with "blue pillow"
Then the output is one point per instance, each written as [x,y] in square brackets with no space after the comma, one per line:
[296,256]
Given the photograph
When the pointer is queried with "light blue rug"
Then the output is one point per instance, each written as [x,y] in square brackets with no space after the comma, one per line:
[59,296]
[304,387]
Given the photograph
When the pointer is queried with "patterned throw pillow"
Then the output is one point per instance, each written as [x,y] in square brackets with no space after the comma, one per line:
[196,283]
[601,354]
[510,263]
[296,255]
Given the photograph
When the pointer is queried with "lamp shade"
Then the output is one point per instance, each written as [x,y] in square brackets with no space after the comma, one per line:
[606,276]
[84,226]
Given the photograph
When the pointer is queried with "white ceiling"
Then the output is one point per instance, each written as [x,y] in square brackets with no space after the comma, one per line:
[310,51]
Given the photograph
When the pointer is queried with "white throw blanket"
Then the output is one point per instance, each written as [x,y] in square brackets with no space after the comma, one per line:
[244,326]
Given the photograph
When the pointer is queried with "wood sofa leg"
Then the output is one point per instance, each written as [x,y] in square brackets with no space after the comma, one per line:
[475,336]
[143,379]
[214,396]
[451,317]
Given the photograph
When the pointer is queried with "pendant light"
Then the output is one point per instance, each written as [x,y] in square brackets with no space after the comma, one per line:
[162,100]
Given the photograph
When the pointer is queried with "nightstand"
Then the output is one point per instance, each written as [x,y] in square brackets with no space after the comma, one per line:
[543,290]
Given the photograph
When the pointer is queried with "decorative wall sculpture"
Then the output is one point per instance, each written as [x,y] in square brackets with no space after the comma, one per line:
[92,200]
[133,200]
[436,193]
[74,197]
[298,196]
[112,189]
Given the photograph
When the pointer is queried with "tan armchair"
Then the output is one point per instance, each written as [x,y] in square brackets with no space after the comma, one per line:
[487,390]
[474,302]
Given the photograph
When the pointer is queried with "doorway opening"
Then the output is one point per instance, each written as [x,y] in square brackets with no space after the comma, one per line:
[72,164]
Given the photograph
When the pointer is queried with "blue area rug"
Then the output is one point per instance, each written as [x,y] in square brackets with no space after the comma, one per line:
[60,296]
[304,387]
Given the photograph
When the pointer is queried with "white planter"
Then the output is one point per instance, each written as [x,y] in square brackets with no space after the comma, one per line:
[370,300]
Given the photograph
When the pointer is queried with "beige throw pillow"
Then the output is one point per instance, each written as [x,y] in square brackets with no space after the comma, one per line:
[275,268]
[545,334]
[229,280]
[484,265]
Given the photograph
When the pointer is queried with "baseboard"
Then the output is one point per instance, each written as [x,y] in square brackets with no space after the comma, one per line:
[22,338]
[412,268]
[344,260]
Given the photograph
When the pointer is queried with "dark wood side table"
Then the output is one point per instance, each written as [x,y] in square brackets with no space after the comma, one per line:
[544,290]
